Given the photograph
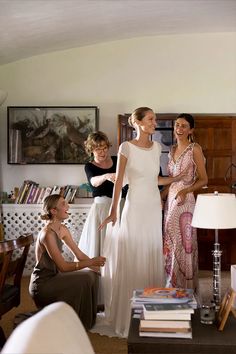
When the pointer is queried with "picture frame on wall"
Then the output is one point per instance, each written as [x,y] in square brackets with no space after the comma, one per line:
[49,134]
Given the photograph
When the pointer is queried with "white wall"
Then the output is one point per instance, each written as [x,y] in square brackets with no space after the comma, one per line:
[184,73]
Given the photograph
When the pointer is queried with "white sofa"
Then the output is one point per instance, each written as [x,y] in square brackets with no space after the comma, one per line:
[55,329]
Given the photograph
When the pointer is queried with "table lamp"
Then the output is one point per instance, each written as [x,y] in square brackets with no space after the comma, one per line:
[215,211]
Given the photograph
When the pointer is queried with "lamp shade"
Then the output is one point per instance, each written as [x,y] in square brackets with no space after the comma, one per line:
[215,211]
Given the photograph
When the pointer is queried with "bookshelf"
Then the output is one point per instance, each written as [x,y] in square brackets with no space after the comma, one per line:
[18,219]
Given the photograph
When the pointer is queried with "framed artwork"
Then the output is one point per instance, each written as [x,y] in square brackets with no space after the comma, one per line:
[50,134]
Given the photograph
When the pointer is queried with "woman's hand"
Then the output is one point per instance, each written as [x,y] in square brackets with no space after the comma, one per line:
[111,218]
[181,195]
[95,269]
[111,177]
[98,261]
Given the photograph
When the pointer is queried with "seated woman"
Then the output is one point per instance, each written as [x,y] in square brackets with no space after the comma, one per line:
[55,279]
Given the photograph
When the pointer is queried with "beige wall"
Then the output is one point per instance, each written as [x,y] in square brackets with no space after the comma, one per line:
[191,73]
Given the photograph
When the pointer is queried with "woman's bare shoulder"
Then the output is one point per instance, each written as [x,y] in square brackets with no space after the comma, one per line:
[45,232]
[197,147]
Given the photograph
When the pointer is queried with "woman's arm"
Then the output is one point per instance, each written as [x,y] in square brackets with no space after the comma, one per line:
[164,181]
[49,241]
[96,181]
[121,164]
[202,178]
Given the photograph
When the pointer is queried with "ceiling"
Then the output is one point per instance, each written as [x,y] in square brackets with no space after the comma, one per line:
[33,27]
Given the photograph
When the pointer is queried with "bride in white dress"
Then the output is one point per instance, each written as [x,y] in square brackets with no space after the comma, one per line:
[134,246]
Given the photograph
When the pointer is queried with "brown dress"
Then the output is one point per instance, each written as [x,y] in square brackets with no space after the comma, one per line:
[78,289]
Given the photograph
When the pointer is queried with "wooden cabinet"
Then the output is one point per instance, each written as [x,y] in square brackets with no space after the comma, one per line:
[216,133]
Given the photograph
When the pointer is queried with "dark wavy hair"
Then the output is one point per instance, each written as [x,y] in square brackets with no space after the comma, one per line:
[188,117]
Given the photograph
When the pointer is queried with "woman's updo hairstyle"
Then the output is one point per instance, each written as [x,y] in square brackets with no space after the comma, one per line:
[95,140]
[49,203]
[138,114]
[189,118]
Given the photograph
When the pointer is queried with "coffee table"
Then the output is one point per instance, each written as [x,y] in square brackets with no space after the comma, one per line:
[206,340]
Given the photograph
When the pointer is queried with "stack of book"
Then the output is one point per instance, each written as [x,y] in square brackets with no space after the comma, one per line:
[164,312]
[166,320]
[31,193]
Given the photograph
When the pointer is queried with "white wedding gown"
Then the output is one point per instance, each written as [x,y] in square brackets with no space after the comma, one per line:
[134,248]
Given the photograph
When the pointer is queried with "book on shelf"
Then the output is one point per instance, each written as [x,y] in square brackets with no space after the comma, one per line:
[73,193]
[164,326]
[27,190]
[41,195]
[36,196]
[47,193]
[19,193]
[24,191]
[66,191]
[32,194]
[68,194]
[56,190]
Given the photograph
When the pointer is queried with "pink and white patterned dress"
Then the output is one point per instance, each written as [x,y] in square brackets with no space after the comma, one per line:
[180,239]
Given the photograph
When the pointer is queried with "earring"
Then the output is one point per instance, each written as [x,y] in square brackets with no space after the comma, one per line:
[190,138]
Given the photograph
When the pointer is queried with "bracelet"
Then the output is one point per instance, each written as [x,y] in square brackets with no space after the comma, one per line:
[76,265]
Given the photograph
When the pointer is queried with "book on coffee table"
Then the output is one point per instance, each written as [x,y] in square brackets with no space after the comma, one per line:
[164,326]
[155,311]
[187,335]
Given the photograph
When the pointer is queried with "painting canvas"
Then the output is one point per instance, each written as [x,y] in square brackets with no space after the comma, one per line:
[49,135]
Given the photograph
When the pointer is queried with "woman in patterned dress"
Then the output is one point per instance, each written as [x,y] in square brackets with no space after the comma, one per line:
[180,239]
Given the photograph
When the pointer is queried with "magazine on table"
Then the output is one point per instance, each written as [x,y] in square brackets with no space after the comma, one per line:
[163,295]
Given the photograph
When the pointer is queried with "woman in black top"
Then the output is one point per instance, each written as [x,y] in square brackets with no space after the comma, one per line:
[101,177]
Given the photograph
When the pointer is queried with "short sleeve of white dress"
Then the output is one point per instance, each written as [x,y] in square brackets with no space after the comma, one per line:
[124,150]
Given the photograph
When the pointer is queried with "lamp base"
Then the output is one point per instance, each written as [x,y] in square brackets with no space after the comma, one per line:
[217,274]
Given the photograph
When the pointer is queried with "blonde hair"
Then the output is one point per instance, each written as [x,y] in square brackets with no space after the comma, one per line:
[95,140]
[138,114]
[49,203]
